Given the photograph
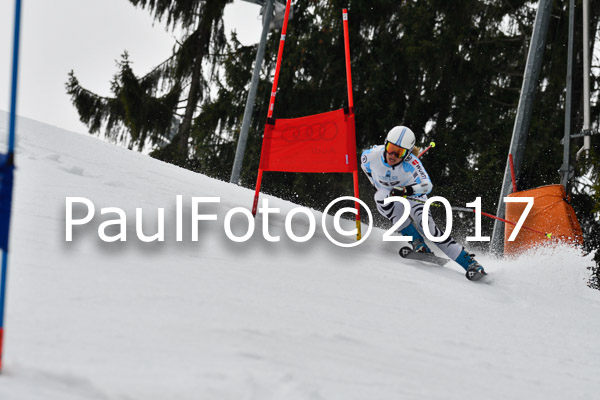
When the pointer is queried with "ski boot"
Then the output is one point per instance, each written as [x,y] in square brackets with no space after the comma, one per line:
[418,243]
[474,270]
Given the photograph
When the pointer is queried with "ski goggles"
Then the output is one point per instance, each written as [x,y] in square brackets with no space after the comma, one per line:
[399,152]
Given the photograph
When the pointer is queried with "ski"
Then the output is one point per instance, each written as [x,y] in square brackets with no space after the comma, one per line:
[407,252]
[472,274]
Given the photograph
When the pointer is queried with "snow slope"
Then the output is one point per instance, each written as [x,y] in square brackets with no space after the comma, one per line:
[216,319]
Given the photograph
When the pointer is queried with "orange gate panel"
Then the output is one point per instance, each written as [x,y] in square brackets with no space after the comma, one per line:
[551,213]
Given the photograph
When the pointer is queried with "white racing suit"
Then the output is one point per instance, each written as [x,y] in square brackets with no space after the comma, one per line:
[409,172]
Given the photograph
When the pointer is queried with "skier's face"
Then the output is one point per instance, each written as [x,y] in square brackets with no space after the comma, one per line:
[395,154]
[392,159]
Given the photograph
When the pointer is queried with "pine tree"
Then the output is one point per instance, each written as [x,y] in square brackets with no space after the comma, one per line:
[145,108]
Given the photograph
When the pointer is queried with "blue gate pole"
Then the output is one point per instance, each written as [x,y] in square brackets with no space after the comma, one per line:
[10,161]
[2,297]
[15,71]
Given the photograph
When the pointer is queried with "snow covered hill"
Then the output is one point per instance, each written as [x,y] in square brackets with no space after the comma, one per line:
[214,319]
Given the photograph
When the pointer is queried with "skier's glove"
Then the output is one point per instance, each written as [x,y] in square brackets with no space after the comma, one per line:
[402,191]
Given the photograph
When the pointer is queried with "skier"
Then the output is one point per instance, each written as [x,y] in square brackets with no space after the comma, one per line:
[395,170]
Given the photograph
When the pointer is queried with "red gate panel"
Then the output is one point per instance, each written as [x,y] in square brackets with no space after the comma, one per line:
[316,143]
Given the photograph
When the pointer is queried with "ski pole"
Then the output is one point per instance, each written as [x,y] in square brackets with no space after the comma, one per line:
[432,144]
[548,235]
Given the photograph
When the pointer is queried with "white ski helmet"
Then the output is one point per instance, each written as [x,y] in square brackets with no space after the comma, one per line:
[401,136]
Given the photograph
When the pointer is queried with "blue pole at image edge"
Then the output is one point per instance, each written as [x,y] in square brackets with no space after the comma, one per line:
[15,71]
[7,172]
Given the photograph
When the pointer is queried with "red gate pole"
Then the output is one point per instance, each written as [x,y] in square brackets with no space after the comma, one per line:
[348,71]
[356,194]
[279,56]
[351,111]
[273,94]
[257,191]
[512,172]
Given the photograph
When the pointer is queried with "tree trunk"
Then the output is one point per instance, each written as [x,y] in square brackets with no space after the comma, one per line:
[193,97]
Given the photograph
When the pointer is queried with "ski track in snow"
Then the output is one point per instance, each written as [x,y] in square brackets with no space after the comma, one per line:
[218,320]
